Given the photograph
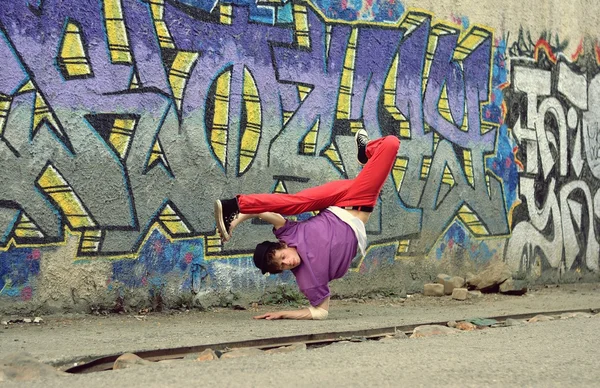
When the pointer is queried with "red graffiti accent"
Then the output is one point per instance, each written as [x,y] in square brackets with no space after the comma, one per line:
[158,248]
[578,51]
[507,163]
[26,293]
[144,281]
[517,161]
[542,44]
[36,254]
[344,4]
[456,20]
[370,3]
[597,50]
[504,110]
[188,257]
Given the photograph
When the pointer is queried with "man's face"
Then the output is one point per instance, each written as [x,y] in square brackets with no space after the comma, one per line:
[287,258]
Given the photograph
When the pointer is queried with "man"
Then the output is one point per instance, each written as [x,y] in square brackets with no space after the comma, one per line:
[321,248]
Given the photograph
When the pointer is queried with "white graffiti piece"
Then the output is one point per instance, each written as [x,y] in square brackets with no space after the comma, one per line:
[591,128]
[561,119]
[527,239]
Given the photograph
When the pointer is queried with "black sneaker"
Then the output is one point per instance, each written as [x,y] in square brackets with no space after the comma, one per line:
[226,210]
[362,139]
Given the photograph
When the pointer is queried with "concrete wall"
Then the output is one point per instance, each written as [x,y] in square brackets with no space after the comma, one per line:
[122,120]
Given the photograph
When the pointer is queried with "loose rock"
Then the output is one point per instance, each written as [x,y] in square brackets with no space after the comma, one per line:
[398,335]
[27,320]
[451,324]
[433,289]
[205,355]
[496,273]
[38,320]
[540,318]
[460,293]
[430,330]
[513,322]
[450,283]
[483,322]
[574,315]
[287,349]
[466,326]
[475,294]
[242,352]
[513,287]
[23,367]
[129,360]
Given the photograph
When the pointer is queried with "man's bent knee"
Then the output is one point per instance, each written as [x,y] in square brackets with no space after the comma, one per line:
[392,141]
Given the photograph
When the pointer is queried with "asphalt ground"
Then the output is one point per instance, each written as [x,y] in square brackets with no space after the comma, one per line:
[556,353]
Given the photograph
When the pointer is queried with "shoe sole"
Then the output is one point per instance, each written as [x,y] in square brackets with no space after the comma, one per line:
[356,143]
[220,221]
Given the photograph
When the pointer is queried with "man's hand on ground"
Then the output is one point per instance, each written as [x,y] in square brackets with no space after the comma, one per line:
[295,314]
[271,316]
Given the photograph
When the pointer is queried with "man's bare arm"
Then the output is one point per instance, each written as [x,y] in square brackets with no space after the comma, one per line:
[322,312]
[275,219]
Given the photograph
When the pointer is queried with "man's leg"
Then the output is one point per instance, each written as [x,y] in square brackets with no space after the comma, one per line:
[379,156]
[365,188]
[311,199]
[314,198]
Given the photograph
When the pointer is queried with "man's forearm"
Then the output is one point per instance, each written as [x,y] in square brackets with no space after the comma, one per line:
[275,219]
[297,314]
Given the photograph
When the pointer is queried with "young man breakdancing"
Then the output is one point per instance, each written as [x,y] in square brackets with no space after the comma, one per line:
[321,248]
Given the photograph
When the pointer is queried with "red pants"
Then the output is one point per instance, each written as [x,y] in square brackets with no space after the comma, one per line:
[360,191]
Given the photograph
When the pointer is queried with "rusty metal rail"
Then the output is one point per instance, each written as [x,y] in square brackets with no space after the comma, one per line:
[318,339]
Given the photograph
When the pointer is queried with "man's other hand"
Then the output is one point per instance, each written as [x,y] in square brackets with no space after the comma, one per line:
[271,316]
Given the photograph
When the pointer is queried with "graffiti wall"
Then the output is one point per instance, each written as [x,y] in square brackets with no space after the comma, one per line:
[121,121]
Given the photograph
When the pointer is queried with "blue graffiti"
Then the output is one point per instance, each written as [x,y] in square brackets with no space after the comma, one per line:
[17,268]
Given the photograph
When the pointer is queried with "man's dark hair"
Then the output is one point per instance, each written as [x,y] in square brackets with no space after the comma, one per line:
[264,256]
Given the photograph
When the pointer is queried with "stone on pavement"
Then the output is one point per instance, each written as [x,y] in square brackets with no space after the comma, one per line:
[460,293]
[483,321]
[205,355]
[513,287]
[129,360]
[475,294]
[430,330]
[465,326]
[513,322]
[540,318]
[450,282]
[393,337]
[23,367]
[433,289]
[578,314]
[442,277]
[496,273]
[287,349]
[242,352]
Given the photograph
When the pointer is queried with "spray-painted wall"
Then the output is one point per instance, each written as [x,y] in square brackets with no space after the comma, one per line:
[122,120]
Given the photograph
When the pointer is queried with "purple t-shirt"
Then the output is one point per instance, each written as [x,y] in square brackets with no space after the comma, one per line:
[326,245]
